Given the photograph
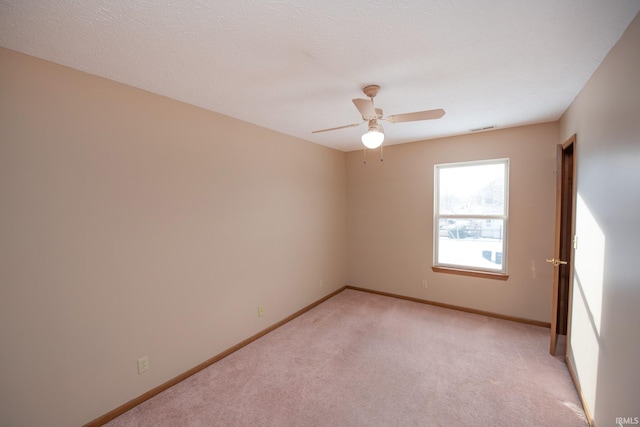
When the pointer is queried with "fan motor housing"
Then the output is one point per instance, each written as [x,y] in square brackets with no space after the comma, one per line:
[371,90]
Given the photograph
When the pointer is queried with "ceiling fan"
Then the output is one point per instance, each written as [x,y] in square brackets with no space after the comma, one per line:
[374,136]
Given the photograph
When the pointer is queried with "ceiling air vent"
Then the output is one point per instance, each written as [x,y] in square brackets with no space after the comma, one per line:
[483,129]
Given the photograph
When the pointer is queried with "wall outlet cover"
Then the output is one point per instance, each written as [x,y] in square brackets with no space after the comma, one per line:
[143,364]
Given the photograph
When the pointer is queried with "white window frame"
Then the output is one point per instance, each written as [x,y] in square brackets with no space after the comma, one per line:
[437,216]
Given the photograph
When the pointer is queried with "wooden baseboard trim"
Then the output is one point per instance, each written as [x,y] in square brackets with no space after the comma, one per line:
[103,419]
[576,383]
[456,307]
[162,387]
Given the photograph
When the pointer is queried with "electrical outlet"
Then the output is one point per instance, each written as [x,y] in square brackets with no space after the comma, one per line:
[424,283]
[143,364]
[321,283]
[260,311]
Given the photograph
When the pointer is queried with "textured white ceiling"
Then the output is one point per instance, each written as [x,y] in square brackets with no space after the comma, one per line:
[294,66]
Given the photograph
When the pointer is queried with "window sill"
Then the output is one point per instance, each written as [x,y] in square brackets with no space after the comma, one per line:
[472,273]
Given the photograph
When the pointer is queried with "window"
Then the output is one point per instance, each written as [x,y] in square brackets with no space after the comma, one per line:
[471,216]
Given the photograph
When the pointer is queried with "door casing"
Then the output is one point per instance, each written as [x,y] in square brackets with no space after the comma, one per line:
[564,241]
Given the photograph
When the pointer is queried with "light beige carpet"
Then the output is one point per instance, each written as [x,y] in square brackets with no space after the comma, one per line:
[361,359]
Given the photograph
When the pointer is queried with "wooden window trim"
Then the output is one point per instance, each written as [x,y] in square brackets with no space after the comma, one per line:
[469,270]
[471,273]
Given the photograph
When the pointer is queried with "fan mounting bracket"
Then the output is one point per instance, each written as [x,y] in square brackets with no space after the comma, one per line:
[371,90]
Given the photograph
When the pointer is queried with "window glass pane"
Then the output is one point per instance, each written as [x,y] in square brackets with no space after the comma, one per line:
[471,242]
[472,190]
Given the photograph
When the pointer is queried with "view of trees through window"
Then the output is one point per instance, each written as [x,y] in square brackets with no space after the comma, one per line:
[471,215]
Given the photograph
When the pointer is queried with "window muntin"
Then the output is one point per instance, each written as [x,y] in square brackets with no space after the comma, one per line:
[471,215]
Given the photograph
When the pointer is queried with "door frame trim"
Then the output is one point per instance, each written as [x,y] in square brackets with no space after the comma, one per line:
[561,148]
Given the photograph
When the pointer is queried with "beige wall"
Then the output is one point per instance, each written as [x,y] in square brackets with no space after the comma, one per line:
[133,225]
[605,335]
[390,220]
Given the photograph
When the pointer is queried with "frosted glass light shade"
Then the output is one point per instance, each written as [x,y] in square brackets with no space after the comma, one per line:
[373,139]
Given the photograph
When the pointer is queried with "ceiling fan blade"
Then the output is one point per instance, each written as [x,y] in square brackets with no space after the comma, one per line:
[339,127]
[418,115]
[365,106]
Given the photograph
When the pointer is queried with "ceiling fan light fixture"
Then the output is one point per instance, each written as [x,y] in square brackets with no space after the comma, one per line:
[374,137]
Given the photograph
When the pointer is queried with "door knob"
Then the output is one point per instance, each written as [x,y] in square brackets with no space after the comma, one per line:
[556,262]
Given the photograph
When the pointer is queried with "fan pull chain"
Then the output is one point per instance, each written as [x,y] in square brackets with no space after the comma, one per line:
[364,156]
[381,157]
